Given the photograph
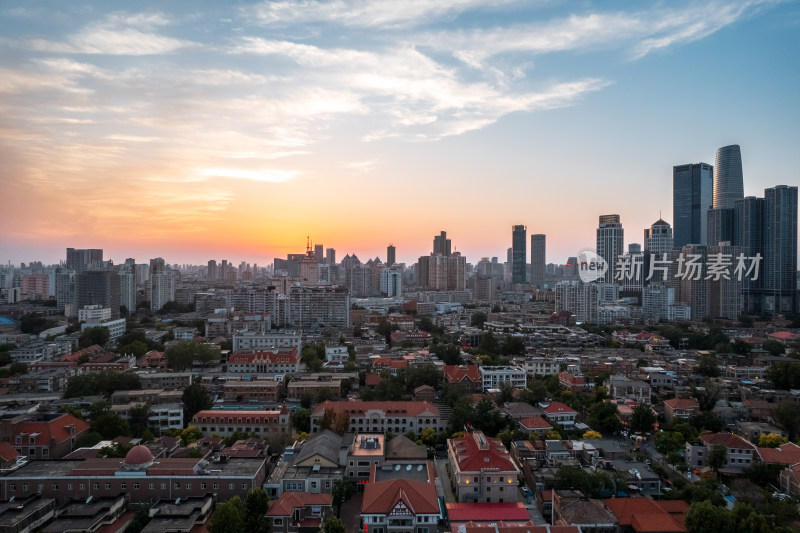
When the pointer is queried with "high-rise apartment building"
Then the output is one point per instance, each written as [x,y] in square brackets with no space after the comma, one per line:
[728,179]
[127,288]
[162,283]
[390,255]
[519,254]
[391,282]
[319,253]
[330,256]
[212,272]
[780,249]
[538,259]
[578,298]
[441,244]
[692,197]
[610,244]
[98,287]
[83,259]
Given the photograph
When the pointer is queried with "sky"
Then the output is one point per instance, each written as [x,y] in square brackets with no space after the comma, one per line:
[233,130]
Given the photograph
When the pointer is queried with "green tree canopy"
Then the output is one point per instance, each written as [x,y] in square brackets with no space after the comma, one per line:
[95,335]
[341,491]
[229,517]
[195,398]
[703,517]
[104,382]
[333,524]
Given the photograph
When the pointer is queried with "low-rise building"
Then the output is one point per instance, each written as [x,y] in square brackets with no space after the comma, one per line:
[300,512]
[740,454]
[397,418]
[265,362]
[559,413]
[481,469]
[680,409]
[401,500]
[492,377]
[263,424]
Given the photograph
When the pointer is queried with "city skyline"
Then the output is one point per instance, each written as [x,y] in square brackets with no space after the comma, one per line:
[206,131]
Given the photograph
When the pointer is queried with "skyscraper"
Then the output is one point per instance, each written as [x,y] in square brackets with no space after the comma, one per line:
[441,244]
[319,254]
[721,226]
[212,269]
[330,256]
[658,238]
[728,179]
[390,255]
[518,254]
[780,249]
[610,244]
[538,259]
[98,287]
[692,197]
[750,229]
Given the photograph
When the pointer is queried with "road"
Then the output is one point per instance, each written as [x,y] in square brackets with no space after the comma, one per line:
[443,481]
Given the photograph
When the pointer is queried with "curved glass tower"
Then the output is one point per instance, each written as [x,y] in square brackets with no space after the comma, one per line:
[728,180]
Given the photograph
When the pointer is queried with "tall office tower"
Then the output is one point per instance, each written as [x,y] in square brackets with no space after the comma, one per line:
[750,229]
[658,238]
[391,282]
[390,255]
[724,295]
[519,254]
[212,270]
[319,253]
[692,197]
[728,180]
[720,226]
[127,288]
[441,244]
[98,287]
[130,262]
[693,288]
[309,269]
[83,259]
[780,249]
[610,239]
[330,256]
[538,260]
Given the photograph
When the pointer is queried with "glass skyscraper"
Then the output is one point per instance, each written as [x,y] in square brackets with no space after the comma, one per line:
[692,189]
[780,249]
[728,179]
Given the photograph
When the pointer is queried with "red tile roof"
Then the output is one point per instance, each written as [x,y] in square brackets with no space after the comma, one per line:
[535,422]
[56,430]
[459,373]
[383,496]
[787,454]
[646,515]
[682,403]
[558,408]
[476,452]
[289,501]
[729,440]
[413,408]
[487,512]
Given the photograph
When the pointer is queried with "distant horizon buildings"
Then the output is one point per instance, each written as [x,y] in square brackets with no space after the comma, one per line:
[538,259]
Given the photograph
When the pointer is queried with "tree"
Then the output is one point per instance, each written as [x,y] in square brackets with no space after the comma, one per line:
[341,491]
[592,435]
[428,435]
[139,419]
[191,434]
[95,335]
[256,505]
[703,517]
[18,368]
[104,383]
[747,520]
[785,374]
[450,354]
[787,416]
[140,520]
[195,398]
[642,419]
[333,524]
[183,354]
[717,457]
[771,440]
[135,348]
[229,517]
[336,421]
[707,366]
[110,425]
[118,450]
[301,420]
[603,417]
[774,347]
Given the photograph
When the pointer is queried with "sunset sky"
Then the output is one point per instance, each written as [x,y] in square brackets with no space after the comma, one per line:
[231,130]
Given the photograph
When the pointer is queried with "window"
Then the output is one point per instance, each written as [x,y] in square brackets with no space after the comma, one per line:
[230,486]
[97,486]
[69,486]
[82,486]
[244,486]
[215,486]
[108,486]
[54,486]
[152,486]
[188,485]
[177,485]
[277,521]
[13,486]
[163,486]
[123,486]
[135,485]
[40,487]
